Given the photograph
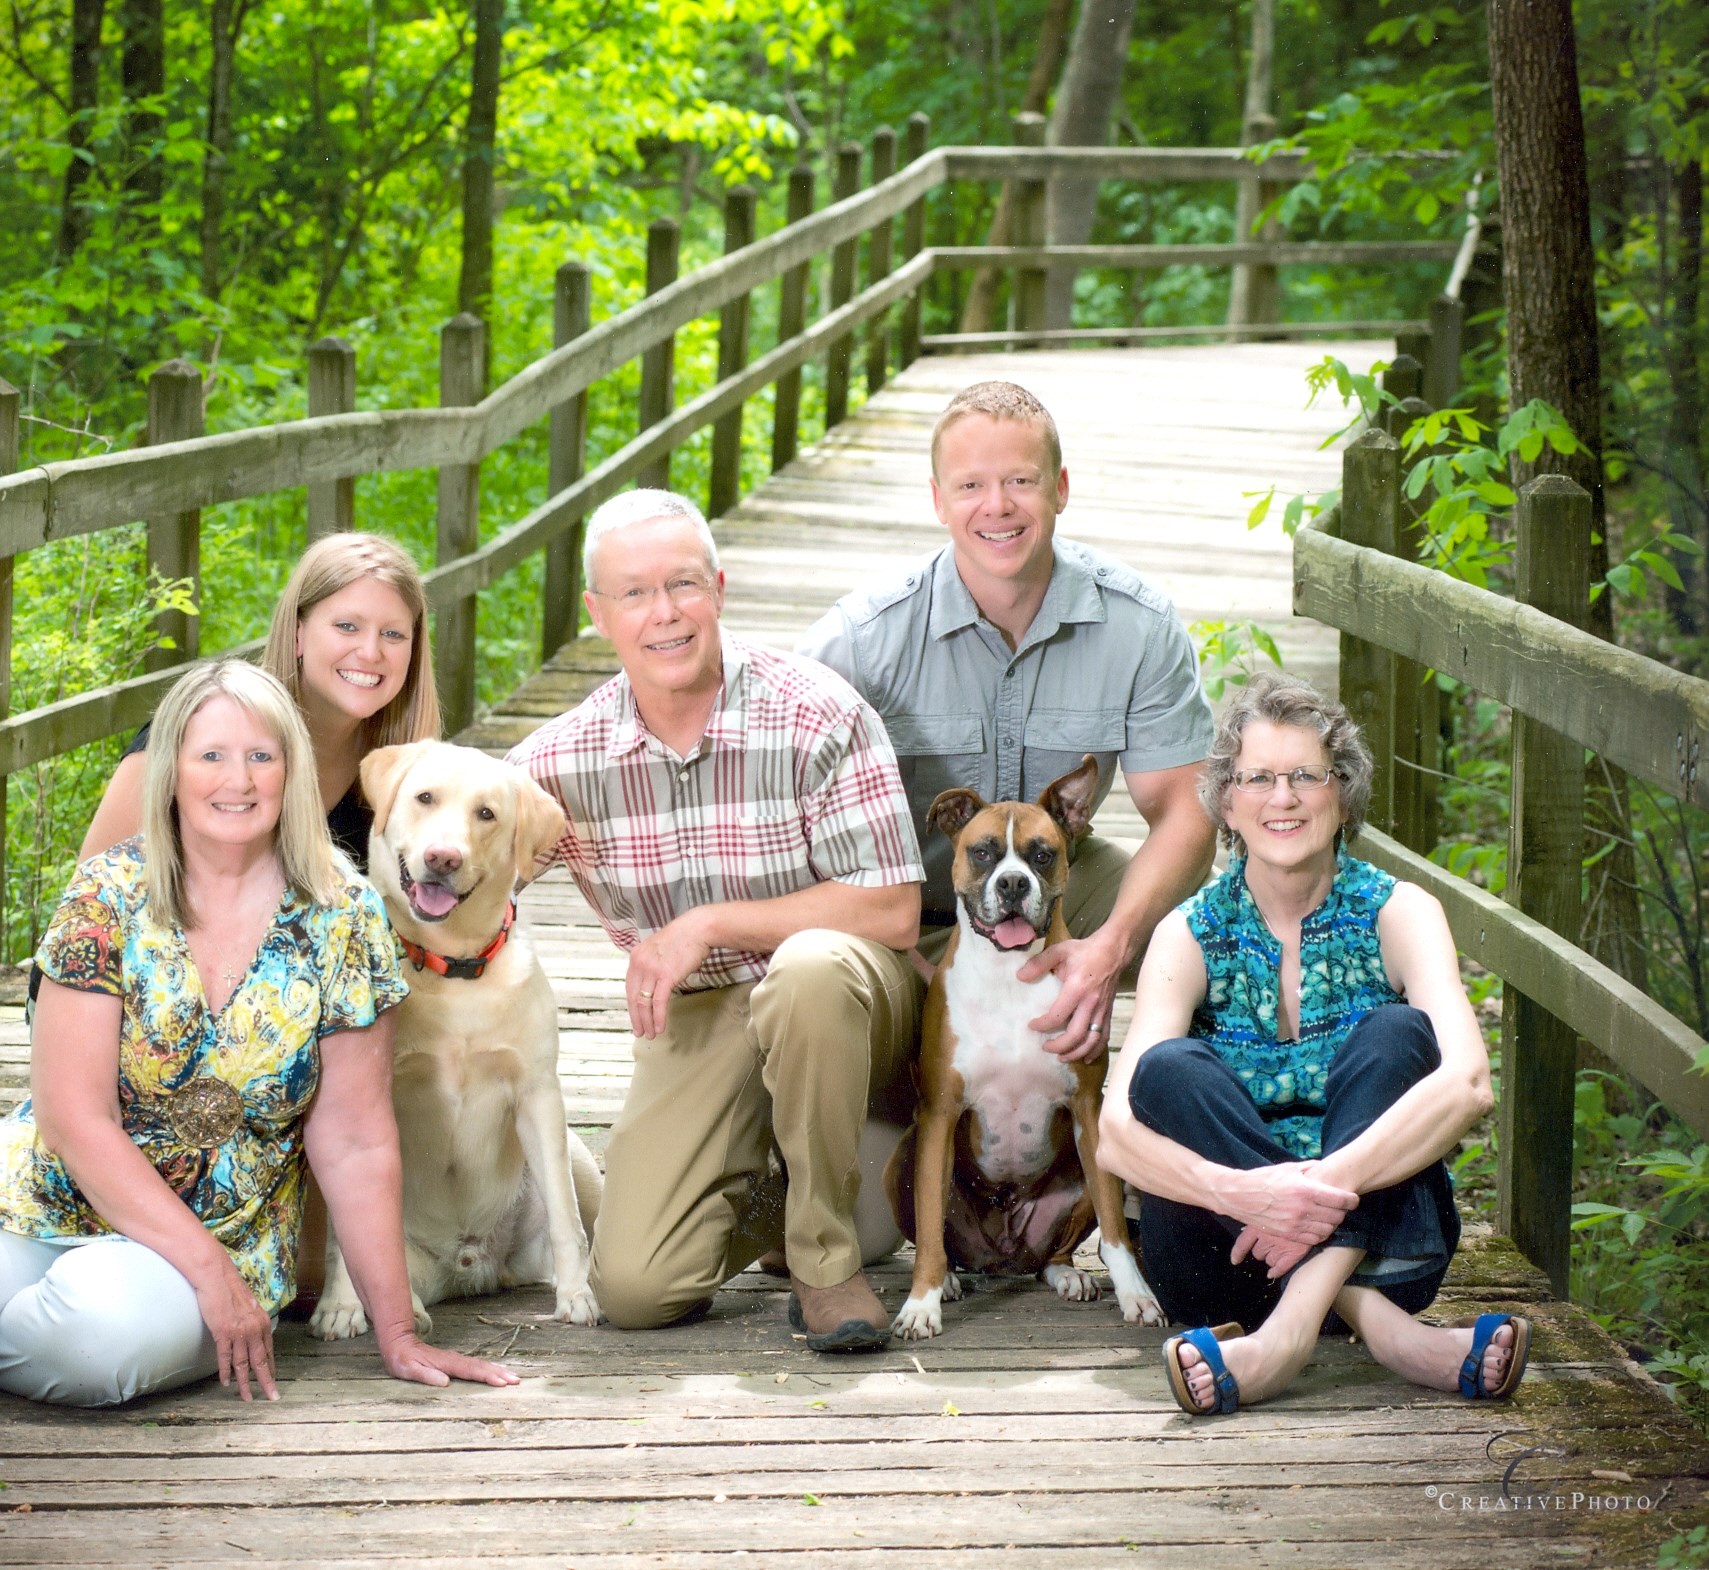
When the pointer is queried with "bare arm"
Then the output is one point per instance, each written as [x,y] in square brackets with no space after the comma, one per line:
[1168,867]
[119,815]
[889,914]
[74,1083]
[1429,1120]
[1290,1202]
[352,1142]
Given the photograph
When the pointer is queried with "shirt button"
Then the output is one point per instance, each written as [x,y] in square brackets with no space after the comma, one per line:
[1103,572]
[682,778]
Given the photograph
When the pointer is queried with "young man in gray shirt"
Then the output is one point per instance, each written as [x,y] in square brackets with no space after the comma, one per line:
[1004,658]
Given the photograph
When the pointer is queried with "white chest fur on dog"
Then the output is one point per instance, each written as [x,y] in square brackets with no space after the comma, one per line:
[1015,1089]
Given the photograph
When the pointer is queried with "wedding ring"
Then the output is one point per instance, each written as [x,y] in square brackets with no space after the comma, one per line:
[648,993]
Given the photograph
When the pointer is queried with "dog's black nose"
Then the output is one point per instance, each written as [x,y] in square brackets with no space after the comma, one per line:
[1013,889]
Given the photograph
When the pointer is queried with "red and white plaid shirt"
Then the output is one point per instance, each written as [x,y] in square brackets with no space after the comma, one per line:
[794,783]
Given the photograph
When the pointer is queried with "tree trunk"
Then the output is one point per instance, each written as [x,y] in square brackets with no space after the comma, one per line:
[85,74]
[980,313]
[1549,283]
[1085,102]
[142,74]
[1688,508]
[1254,292]
[475,285]
[225,23]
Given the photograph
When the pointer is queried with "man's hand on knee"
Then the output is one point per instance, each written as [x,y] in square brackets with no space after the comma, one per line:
[657,966]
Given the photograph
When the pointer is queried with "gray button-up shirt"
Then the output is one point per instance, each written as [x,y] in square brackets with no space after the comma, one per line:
[1106,667]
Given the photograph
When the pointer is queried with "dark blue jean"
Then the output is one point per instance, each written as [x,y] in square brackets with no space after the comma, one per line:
[1184,1091]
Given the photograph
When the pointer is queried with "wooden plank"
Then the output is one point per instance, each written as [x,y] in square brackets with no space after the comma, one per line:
[879,247]
[1545,871]
[1314,253]
[657,396]
[1030,228]
[1015,338]
[1608,1011]
[566,447]
[1516,655]
[791,318]
[462,373]
[1116,163]
[332,390]
[914,143]
[843,259]
[1370,512]
[174,539]
[725,486]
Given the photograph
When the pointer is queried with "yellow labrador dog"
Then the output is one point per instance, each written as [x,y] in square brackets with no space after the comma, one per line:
[497,1190]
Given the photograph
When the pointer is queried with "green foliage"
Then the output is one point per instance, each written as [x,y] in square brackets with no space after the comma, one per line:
[1229,653]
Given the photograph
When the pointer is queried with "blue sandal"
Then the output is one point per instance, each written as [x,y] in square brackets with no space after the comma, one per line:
[1471,1371]
[1227,1391]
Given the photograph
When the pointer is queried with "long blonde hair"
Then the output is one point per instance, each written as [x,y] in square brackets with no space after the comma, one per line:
[333,563]
[304,846]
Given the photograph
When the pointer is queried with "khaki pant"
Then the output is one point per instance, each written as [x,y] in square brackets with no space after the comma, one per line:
[797,1058]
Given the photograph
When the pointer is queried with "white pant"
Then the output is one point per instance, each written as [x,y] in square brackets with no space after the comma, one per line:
[96,1322]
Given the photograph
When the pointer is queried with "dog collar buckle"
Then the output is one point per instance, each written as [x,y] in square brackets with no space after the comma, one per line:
[463,967]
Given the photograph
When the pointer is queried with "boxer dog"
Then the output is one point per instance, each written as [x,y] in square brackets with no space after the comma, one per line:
[1000,1173]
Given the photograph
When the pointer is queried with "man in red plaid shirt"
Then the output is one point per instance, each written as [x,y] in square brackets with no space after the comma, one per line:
[737,821]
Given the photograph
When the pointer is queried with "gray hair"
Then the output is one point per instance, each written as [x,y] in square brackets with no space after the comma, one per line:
[643,506]
[1286,700]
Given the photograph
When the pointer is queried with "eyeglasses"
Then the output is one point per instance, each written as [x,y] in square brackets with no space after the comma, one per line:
[683,590]
[1260,782]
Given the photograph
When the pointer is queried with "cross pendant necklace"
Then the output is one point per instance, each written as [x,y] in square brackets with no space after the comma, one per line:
[230,978]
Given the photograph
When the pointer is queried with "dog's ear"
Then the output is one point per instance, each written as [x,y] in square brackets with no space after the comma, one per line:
[382,771]
[951,810]
[540,824]
[1069,800]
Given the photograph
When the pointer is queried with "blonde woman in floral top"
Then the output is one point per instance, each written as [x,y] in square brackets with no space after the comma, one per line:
[216,1010]
[1302,1057]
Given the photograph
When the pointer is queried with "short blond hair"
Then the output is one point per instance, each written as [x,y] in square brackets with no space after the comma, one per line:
[335,562]
[305,848]
[1000,401]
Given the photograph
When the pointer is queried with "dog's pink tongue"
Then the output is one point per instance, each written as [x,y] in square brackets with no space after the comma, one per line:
[433,899]
[1014,932]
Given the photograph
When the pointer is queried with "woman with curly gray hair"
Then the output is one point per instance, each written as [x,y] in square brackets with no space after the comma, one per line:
[1302,1057]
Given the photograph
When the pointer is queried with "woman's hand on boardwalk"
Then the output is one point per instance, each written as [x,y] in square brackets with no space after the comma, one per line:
[242,1332]
[412,1359]
[1288,1202]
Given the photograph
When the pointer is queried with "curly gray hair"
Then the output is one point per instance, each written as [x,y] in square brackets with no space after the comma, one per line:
[1286,700]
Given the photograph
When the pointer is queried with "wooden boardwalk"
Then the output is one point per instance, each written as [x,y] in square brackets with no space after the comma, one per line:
[1032,1427]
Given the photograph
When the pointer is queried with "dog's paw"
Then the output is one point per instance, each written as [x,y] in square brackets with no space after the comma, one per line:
[576,1307]
[1138,1302]
[1071,1284]
[423,1319]
[338,1320]
[952,1292]
[921,1317]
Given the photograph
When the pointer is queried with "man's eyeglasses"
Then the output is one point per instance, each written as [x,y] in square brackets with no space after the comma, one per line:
[683,590]
[1260,782]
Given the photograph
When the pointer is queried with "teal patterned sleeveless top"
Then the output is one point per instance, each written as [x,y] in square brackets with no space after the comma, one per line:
[1341,980]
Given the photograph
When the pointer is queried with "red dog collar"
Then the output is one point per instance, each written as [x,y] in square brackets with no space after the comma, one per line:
[469,967]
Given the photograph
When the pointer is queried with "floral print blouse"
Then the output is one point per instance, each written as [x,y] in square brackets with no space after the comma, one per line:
[233,1155]
[1342,978]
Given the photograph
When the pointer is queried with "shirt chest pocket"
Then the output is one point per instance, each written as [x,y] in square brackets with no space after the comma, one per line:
[939,752]
[1057,739]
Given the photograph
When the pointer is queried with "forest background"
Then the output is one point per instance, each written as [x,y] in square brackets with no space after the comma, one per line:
[226,181]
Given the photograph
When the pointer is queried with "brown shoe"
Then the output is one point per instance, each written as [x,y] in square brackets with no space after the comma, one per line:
[774,1262]
[845,1318]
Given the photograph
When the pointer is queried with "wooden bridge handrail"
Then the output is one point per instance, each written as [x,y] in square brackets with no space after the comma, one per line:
[1120,163]
[1601,1005]
[1645,717]
[962,258]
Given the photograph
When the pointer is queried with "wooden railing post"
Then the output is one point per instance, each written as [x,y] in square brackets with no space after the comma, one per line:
[566,455]
[1027,298]
[878,262]
[1545,857]
[791,319]
[914,141]
[1370,515]
[843,259]
[462,376]
[175,542]
[1415,346]
[1255,291]
[332,390]
[1404,378]
[724,489]
[658,364]
[1442,367]
[10,405]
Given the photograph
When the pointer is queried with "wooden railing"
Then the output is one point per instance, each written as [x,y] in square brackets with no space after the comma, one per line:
[181,471]
[1569,692]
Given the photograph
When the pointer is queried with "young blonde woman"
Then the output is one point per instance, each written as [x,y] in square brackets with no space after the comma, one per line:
[349,643]
[217,1008]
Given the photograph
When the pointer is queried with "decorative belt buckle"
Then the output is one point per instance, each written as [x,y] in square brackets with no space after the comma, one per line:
[204,1113]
